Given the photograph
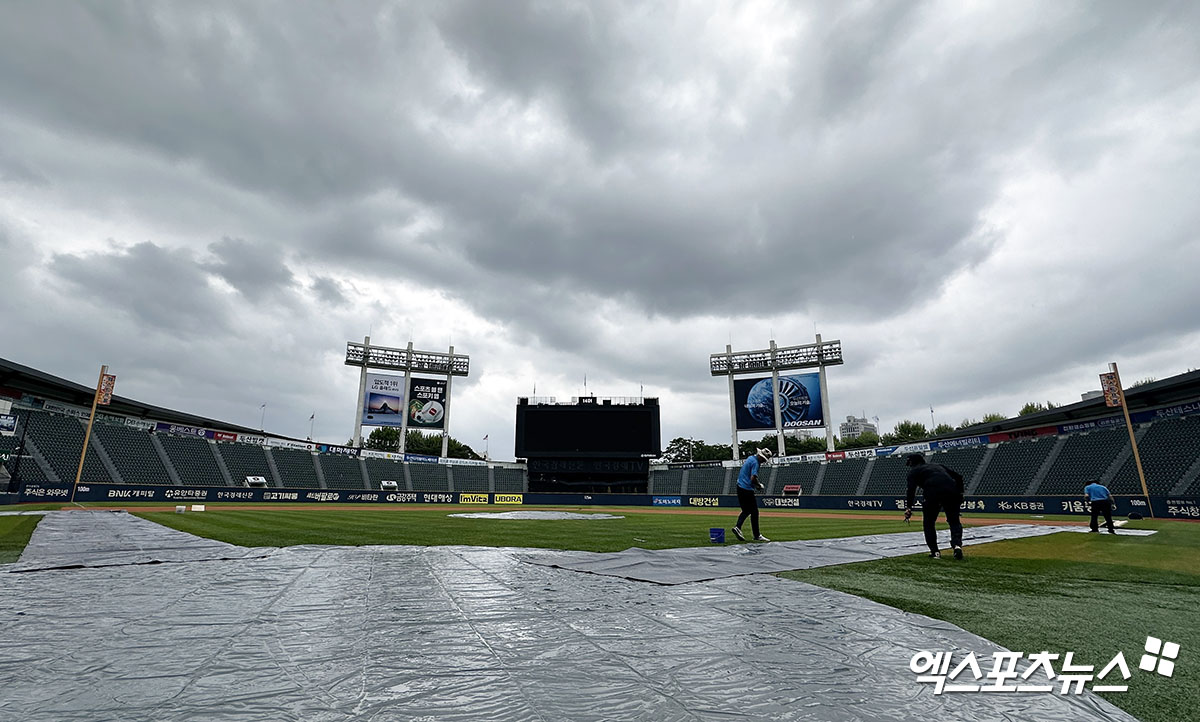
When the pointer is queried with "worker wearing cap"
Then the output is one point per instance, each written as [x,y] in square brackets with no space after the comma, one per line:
[748,483]
[943,491]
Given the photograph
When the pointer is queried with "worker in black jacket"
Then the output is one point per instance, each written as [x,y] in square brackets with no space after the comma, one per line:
[943,492]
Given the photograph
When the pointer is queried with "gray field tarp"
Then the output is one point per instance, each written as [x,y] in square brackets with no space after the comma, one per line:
[449,633]
[695,564]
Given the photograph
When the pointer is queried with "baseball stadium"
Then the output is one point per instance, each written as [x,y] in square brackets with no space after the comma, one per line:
[157,564]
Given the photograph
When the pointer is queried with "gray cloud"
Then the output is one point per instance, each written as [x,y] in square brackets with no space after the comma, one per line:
[255,270]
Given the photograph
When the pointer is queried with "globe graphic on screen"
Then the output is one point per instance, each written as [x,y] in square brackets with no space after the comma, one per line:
[794,402]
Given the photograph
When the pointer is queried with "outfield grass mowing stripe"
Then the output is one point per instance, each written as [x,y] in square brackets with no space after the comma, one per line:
[14,535]
[425,526]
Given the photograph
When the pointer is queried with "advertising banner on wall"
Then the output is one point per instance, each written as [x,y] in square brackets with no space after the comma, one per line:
[384,402]
[427,403]
[8,424]
[799,402]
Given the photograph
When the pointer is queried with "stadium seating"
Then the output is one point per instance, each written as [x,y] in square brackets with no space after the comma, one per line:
[509,480]
[428,477]
[708,481]
[244,460]
[1013,466]
[341,472]
[1168,449]
[842,477]
[193,460]
[382,469]
[60,439]
[133,453]
[666,481]
[469,478]
[1084,458]
[296,469]
[964,460]
[888,477]
[803,474]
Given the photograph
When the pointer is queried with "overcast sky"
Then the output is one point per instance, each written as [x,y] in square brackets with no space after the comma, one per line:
[986,202]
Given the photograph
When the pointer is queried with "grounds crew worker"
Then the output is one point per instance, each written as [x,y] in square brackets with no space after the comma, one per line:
[747,483]
[1102,503]
[943,492]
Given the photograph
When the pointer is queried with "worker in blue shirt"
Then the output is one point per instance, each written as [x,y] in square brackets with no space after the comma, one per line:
[1102,503]
[747,484]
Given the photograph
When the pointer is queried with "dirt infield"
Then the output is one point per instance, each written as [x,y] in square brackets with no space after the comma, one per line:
[968,520]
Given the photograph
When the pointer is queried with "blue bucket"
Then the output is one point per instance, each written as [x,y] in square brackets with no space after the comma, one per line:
[716,536]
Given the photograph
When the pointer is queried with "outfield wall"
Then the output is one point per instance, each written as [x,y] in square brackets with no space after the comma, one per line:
[1164,506]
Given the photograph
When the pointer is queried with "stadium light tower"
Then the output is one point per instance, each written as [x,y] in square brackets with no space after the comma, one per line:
[792,399]
[366,356]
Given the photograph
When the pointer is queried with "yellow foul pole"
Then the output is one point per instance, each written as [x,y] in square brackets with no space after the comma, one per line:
[88,436]
[1137,458]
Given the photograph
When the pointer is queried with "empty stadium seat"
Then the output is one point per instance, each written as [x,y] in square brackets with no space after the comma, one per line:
[888,477]
[1013,466]
[509,480]
[1168,449]
[708,481]
[469,478]
[60,439]
[133,453]
[1083,459]
[244,460]
[428,477]
[842,477]
[667,481]
[383,469]
[296,468]
[193,460]
[804,474]
[341,472]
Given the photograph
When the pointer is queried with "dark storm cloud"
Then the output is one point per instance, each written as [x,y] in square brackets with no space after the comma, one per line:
[159,287]
[255,270]
[328,291]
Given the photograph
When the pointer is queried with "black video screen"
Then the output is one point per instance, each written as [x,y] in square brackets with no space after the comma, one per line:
[587,430]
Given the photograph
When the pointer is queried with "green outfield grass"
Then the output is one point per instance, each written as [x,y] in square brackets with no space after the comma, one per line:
[429,526]
[1093,594]
[14,535]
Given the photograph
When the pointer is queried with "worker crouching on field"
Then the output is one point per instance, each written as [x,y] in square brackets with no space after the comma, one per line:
[748,483]
[943,491]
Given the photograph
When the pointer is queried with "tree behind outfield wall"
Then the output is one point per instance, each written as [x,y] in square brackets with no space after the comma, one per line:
[387,438]
[992,418]
[1034,407]
[905,432]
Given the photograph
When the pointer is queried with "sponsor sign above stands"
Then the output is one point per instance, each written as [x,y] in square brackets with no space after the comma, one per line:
[799,402]
[333,449]
[461,462]
[226,436]
[1168,507]
[251,439]
[373,454]
[695,464]
[139,424]
[67,410]
[860,453]
[290,444]
[8,424]
[1022,434]
[421,458]
[164,428]
[959,443]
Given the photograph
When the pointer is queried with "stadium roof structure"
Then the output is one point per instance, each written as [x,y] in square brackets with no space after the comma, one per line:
[26,380]
[1177,389]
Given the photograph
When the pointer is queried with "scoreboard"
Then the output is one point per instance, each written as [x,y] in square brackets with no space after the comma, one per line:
[591,428]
